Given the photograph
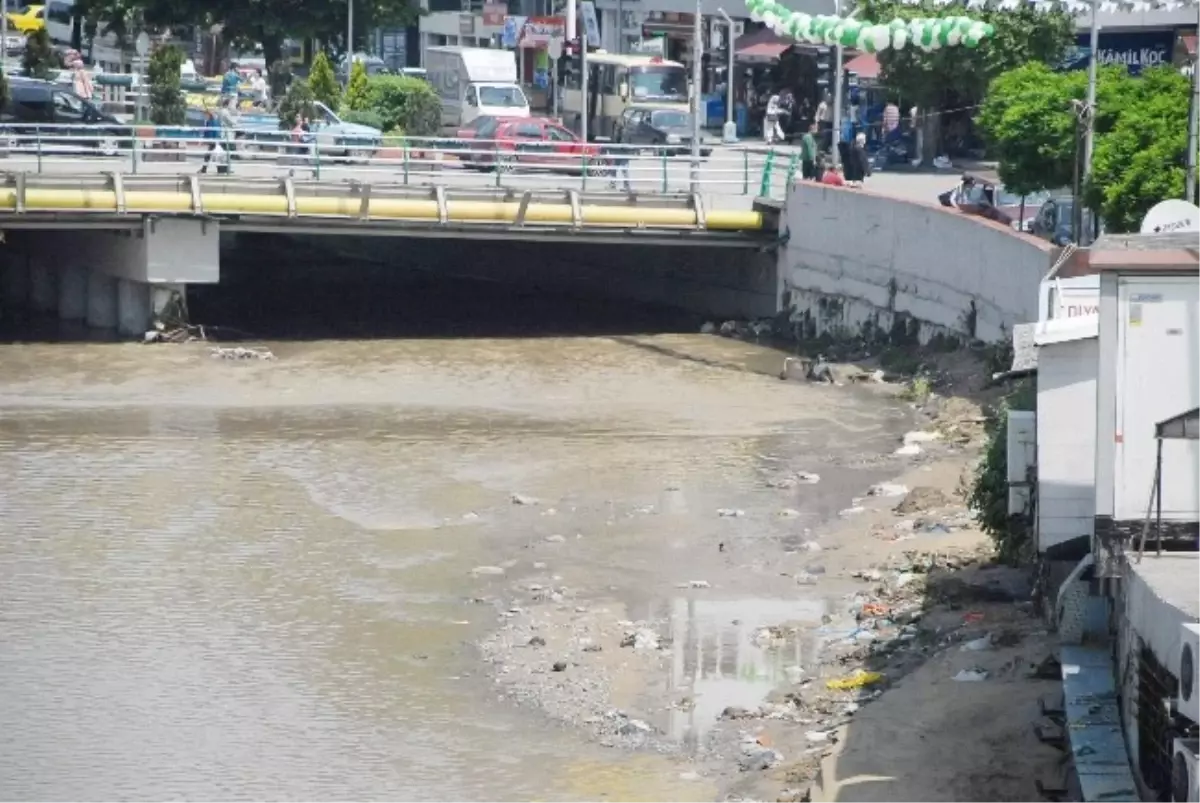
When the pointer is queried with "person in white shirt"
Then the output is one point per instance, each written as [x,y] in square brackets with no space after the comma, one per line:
[771,129]
[260,88]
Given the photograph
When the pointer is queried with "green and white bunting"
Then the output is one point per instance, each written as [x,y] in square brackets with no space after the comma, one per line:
[927,34]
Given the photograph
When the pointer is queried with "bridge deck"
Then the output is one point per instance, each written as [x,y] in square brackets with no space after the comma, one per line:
[117,200]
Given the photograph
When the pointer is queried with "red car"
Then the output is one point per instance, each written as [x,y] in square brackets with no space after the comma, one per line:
[536,142]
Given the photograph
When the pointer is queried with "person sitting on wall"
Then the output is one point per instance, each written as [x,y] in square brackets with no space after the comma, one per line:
[833,177]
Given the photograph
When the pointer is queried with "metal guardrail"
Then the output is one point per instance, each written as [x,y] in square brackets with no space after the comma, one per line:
[120,201]
[623,169]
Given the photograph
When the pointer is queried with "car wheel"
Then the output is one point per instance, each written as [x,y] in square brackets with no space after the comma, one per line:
[109,146]
[11,143]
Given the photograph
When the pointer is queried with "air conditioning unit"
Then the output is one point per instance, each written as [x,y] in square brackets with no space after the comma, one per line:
[1185,774]
[1187,704]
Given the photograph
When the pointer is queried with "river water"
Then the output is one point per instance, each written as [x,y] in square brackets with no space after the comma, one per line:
[252,579]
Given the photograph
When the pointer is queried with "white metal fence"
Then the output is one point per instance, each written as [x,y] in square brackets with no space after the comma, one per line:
[523,164]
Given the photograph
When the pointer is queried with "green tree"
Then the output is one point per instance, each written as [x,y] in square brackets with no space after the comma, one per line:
[405,103]
[1141,157]
[297,103]
[167,104]
[323,82]
[1029,118]
[357,99]
[956,78]
[39,57]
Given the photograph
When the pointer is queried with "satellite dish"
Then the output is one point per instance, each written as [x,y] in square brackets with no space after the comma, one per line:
[1172,216]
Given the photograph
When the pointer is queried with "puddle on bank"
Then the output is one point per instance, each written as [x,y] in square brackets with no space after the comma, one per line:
[721,658]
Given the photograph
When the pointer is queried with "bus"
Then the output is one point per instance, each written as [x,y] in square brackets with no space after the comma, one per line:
[616,83]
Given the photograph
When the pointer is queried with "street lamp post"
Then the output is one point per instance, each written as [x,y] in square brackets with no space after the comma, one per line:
[349,36]
[836,134]
[729,135]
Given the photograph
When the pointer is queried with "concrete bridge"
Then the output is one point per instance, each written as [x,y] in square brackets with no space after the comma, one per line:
[113,249]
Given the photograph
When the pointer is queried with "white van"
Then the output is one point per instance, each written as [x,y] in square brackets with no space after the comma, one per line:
[473,82]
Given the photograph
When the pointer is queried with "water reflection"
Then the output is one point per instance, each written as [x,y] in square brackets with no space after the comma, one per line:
[722,659]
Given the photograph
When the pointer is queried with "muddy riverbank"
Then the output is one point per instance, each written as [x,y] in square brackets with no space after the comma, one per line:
[886,657]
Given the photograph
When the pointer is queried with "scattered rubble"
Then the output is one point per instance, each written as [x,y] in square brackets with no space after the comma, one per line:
[920,499]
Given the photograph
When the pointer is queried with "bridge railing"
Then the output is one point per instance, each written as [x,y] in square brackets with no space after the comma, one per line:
[517,164]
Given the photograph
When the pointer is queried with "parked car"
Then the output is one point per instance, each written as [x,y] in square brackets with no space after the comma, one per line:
[537,142]
[668,129]
[27,19]
[1054,222]
[46,115]
[473,137]
[332,136]
[994,202]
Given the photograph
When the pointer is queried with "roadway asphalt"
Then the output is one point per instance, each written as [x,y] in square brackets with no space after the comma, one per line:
[728,179]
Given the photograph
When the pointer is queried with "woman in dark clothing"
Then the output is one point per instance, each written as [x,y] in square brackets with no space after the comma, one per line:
[858,164]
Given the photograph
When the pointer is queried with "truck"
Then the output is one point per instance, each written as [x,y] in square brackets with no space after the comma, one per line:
[475,81]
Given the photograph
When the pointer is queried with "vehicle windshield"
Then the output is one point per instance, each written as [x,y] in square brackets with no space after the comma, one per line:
[503,96]
[1008,198]
[671,119]
[658,82]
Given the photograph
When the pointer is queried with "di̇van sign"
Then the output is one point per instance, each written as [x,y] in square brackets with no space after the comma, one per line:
[1134,50]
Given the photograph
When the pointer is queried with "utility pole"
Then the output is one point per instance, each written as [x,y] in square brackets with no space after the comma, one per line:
[1092,61]
[4,37]
[349,37]
[697,48]
[1193,134]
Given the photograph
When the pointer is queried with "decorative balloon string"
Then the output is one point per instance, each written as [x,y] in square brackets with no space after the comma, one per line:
[927,34]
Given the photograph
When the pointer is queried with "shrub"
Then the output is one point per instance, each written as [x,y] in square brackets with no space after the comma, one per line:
[363,117]
[39,57]
[988,491]
[357,99]
[297,102]
[167,105]
[323,82]
[405,102]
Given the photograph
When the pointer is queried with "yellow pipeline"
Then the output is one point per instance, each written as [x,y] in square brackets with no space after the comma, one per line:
[379,208]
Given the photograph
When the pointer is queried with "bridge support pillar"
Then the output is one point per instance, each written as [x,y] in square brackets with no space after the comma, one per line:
[72,293]
[133,307]
[43,287]
[101,300]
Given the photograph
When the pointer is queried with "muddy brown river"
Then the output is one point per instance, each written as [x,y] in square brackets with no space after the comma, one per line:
[234,580]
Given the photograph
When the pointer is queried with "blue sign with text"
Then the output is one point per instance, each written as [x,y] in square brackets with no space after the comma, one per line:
[1136,50]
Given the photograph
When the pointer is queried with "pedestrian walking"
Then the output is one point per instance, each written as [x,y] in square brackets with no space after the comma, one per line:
[229,86]
[212,135]
[618,159]
[81,81]
[808,153]
[771,129]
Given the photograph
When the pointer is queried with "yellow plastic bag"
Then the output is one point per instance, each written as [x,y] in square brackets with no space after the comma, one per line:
[855,680]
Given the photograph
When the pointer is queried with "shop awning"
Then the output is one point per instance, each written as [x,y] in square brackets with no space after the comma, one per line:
[762,46]
[865,65]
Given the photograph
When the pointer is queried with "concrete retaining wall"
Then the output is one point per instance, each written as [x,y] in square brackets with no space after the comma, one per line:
[855,261]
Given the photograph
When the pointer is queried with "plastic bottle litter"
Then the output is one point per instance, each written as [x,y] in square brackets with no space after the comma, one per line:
[971,675]
[855,680]
[978,645]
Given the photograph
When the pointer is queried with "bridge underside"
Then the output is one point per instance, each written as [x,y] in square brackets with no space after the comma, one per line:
[112,264]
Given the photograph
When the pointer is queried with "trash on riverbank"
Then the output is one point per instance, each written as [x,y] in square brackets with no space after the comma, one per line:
[239,353]
[971,675]
[857,679]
